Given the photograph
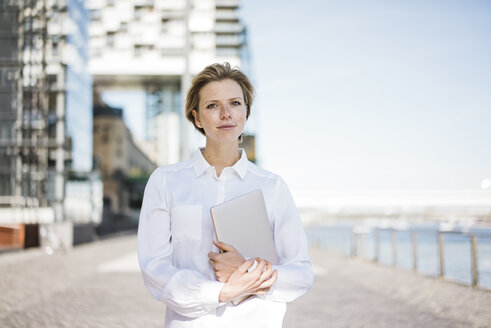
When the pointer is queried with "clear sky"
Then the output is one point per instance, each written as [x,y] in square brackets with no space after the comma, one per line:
[381,94]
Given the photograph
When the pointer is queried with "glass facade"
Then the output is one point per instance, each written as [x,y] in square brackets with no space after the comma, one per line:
[8,94]
[79,89]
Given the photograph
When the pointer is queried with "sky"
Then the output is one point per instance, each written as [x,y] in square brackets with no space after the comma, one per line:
[369,95]
[373,95]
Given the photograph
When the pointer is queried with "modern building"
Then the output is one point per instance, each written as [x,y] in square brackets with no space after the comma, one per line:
[70,98]
[121,161]
[45,110]
[23,107]
[157,46]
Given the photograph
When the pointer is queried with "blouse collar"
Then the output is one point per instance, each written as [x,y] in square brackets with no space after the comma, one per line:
[200,164]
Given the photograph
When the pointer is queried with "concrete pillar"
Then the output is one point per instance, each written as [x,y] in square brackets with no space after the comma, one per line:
[60,141]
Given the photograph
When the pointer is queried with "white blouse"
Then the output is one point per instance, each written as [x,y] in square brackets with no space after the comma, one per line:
[175,234]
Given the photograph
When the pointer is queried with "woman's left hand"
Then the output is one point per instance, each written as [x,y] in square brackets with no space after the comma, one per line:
[225,263]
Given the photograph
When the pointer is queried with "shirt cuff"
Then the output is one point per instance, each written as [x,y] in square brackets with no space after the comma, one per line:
[210,293]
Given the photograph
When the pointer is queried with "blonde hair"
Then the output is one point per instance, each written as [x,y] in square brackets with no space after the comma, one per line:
[217,72]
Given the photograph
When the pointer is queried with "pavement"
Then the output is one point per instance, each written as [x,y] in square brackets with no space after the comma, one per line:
[99,285]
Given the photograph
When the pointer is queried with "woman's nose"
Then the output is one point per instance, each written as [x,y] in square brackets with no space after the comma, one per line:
[225,112]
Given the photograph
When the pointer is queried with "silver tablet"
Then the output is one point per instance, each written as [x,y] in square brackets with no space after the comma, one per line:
[243,223]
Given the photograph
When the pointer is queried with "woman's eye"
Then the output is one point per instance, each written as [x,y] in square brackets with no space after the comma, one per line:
[211,106]
[236,103]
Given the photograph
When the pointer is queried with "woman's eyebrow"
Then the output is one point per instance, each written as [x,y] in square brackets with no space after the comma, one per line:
[215,100]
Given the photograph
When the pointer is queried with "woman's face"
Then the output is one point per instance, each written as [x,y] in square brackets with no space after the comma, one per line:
[222,111]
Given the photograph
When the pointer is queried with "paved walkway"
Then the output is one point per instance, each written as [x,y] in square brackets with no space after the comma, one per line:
[99,285]
[356,293]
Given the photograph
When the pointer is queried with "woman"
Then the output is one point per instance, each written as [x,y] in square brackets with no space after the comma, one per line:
[181,263]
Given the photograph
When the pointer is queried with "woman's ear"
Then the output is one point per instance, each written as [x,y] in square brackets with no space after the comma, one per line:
[196,119]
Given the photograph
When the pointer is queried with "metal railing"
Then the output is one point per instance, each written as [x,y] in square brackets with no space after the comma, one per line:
[356,249]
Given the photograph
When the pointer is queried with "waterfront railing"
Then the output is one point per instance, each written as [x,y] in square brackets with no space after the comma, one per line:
[410,249]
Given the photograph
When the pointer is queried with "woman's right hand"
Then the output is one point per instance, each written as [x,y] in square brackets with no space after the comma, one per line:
[242,282]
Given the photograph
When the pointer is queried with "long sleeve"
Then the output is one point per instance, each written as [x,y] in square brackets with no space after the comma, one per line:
[187,292]
[295,275]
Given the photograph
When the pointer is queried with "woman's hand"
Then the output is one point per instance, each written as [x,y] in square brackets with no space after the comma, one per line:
[242,282]
[225,263]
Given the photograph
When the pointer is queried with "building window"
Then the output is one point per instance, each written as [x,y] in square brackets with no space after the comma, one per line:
[95,15]
[138,13]
[54,47]
[138,50]
[124,27]
[110,3]
[110,39]
[27,24]
[164,25]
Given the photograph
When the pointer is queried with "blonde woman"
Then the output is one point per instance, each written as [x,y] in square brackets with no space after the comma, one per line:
[181,263]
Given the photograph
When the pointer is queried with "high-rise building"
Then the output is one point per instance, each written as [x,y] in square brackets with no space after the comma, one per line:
[157,46]
[45,104]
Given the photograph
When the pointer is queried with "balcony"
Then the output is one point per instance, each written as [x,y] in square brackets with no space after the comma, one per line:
[226,15]
[229,40]
[227,52]
[173,14]
[227,3]
[143,3]
[229,28]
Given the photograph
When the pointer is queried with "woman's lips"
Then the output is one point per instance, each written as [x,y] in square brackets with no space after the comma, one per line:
[226,127]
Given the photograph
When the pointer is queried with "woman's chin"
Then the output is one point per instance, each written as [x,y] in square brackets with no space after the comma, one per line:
[224,139]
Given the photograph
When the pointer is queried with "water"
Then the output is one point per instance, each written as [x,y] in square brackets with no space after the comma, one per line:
[457,249]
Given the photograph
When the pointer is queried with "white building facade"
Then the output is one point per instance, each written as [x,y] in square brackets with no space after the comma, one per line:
[157,46]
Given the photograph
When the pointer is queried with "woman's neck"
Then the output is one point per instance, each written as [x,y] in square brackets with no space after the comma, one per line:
[222,155]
